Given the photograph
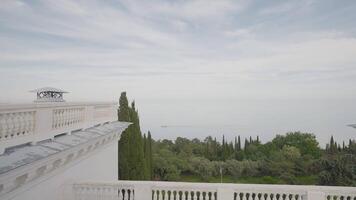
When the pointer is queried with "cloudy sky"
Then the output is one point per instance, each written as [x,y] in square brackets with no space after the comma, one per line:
[202,67]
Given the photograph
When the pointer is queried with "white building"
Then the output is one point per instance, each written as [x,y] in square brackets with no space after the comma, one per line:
[55,150]
[50,144]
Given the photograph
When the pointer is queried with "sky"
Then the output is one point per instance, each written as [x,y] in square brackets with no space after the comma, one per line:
[199,67]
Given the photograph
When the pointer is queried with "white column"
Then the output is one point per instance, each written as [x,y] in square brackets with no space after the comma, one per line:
[225,193]
[143,192]
[315,195]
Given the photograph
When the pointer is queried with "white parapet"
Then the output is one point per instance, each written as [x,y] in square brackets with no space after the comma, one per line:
[30,123]
[149,190]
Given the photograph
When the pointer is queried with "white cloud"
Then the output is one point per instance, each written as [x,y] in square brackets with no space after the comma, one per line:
[175,49]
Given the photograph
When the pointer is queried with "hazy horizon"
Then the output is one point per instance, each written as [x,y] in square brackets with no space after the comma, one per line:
[200,67]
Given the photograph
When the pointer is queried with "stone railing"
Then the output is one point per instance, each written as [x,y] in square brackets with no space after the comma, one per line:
[20,176]
[147,190]
[24,123]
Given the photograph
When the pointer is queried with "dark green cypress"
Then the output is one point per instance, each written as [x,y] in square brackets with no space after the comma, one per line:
[131,154]
[239,143]
[123,148]
[136,159]
[150,162]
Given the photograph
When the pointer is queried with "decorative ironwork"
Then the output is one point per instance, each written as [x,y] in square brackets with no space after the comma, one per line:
[49,94]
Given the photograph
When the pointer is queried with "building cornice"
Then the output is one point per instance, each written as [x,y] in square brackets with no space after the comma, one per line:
[23,176]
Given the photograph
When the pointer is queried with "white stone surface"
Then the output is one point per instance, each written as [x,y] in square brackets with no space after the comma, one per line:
[99,166]
[41,171]
[25,123]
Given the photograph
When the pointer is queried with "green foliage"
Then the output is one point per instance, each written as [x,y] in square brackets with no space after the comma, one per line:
[305,142]
[166,165]
[133,164]
[337,170]
[202,167]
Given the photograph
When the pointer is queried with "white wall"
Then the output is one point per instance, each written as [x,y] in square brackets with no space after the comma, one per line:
[100,166]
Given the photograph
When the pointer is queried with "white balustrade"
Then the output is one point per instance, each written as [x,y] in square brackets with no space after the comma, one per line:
[14,179]
[148,190]
[25,123]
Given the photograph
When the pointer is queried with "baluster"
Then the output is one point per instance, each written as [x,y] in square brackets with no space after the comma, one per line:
[154,195]
[204,196]
[101,192]
[175,195]
[244,196]
[119,194]
[160,195]
[190,195]
[187,195]
[83,193]
[274,196]
[254,196]
[278,196]
[108,194]
[123,194]
[169,195]
[132,194]
[178,195]
[104,192]
[91,193]
[248,195]
[88,193]
[97,193]
[213,196]
[193,195]
[285,196]
[183,195]
[77,194]
[127,195]
[199,195]
[268,196]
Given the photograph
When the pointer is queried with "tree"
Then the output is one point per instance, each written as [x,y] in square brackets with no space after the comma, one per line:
[124,147]
[131,153]
[148,156]
[336,171]
[203,167]
[305,142]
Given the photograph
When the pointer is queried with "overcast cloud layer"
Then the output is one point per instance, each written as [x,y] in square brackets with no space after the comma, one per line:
[201,66]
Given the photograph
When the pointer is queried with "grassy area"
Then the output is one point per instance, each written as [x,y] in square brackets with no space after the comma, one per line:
[301,180]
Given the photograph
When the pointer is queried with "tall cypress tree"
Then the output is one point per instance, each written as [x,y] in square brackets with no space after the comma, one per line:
[239,143]
[149,148]
[136,159]
[123,115]
[131,155]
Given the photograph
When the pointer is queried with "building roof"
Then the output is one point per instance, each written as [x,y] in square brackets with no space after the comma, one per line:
[48,89]
[26,154]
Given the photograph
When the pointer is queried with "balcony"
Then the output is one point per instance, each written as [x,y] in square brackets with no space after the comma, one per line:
[30,123]
[148,190]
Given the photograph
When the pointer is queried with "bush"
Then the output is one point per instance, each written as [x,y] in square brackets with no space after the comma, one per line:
[202,167]
[288,178]
[234,168]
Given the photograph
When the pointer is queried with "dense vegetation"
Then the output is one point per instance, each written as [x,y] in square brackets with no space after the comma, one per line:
[293,158]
